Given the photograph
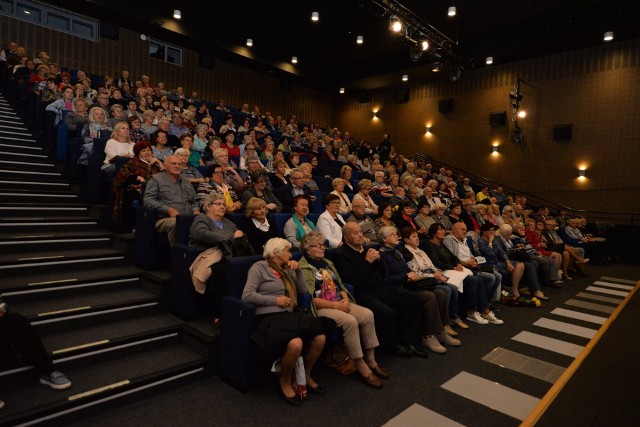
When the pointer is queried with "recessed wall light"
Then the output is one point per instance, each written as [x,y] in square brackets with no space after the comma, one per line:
[359,39]
[405,77]
[341,90]
[294,59]
[177,14]
[249,42]
[489,60]
[608,36]
[451,11]
[315,16]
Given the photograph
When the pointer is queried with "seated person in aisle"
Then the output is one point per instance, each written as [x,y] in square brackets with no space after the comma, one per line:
[170,195]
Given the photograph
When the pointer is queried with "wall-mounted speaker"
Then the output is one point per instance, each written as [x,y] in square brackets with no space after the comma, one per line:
[445,105]
[562,132]
[363,97]
[109,30]
[497,119]
[402,96]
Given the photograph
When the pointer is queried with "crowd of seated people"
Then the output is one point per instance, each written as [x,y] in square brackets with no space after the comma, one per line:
[193,156]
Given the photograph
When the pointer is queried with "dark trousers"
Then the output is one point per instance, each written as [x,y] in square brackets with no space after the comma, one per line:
[435,313]
[387,303]
[17,333]
[216,289]
[477,291]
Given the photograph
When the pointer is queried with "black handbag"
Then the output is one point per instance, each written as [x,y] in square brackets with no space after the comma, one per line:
[520,255]
[425,284]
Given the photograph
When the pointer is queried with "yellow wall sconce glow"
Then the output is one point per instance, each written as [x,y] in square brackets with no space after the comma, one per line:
[494,150]
[375,114]
[429,130]
[582,174]
[522,114]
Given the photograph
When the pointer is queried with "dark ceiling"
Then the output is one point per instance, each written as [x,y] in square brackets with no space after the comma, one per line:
[327,52]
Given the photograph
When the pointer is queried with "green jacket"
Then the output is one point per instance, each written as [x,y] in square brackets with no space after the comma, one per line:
[308,273]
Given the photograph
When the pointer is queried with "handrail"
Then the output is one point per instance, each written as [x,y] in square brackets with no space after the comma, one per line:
[478,179]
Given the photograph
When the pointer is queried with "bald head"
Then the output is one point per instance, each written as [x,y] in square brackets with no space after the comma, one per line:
[459,230]
[352,234]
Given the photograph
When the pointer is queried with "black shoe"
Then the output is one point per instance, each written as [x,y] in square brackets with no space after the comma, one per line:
[317,390]
[419,350]
[402,351]
[290,400]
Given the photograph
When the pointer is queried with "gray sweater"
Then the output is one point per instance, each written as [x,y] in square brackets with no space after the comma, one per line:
[204,233]
[263,288]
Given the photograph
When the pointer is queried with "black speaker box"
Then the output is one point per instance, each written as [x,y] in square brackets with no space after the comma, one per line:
[205,61]
[109,30]
[497,119]
[285,85]
[402,96]
[445,105]
[363,97]
[562,132]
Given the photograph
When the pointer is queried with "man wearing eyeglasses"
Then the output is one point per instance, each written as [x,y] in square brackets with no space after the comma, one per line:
[359,216]
[293,188]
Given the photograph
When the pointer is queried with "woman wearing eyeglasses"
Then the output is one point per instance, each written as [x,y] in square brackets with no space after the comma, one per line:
[330,222]
[331,299]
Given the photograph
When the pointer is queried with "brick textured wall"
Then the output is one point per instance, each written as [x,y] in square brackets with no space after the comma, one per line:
[596,89]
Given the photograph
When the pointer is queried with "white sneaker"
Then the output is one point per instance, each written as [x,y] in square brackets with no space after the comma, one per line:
[475,317]
[559,274]
[491,318]
[446,339]
[434,345]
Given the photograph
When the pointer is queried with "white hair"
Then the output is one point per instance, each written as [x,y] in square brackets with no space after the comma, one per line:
[274,247]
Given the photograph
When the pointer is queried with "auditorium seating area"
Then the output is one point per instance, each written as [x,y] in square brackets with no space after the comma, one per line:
[161,286]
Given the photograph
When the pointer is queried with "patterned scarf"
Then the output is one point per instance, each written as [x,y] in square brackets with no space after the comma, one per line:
[289,286]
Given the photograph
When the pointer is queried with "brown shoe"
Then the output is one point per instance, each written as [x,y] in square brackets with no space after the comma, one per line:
[460,324]
[448,329]
[380,372]
[371,381]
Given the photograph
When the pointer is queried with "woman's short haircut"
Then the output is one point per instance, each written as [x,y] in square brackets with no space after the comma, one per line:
[139,146]
[330,198]
[211,199]
[406,232]
[299,197]
[309,239]
[404,204]
[479,207]
[133,118]
[505,228]
[365,183]
[259,176]
[186,135]
[218,152]
[274,247]
[433,229]
[507,209]
[201,126]
[437,206]
[422,203]
[182,150]
[345,168]
[278,162]
[383,207]
[211,169]
[253,204]
[337,181]
[386,231]
[154,135]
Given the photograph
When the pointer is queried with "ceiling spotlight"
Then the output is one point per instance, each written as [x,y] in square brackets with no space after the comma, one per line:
[415,54]
[177,14]
[424,44]
[359,39]
[249,42]
[437,66]
[315,16]
[143,37]
[489,60]
[608,36]
[341,90]
[395,24]
[451,11]
[294,59]
[405,77]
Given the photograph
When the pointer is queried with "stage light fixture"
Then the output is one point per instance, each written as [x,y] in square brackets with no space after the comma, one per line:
[249,42]
[177,14]
[437,66]
[451,11]
[454,76]
[395,24]
[489,60]
[359,39]
[405,77]
[608,36]
[294,59]
[341,90]
[315,16]
[424,44]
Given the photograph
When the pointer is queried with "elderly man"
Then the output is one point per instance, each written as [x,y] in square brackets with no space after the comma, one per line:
[399,194]
[294,187]
[170,195]
[468,217]
[359,216]
[411,171]
[364,270]
[172,141]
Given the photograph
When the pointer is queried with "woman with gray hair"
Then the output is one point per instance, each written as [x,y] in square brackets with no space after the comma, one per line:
[230,176]
[338,190]
[200,140]
[331,299]
[260,190]
[187,171]
[364,194]
[271,287]
[211,229]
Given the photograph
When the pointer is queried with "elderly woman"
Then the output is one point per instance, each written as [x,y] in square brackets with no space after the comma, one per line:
[97,125]
[268,156]
[495,214]
[200,139]
[231,177]
[552,263]
[424,219]
[364,194]
[281,331]
[78,118]
[278,178]
[148,116]
[127,184]
[299,224]
[404,217]
[420,263]
[385,219]
[211,229]
[262,226]
[435,313]
[119,145]
[195,159]
[379,186]
[330,222]
[306,169]
[437,213]
[332,300]
[135,130]
[454,213]
[508,215]
[187,171]
[215,184]
[479,211]
[338,190]
[260,190]
[345,173]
